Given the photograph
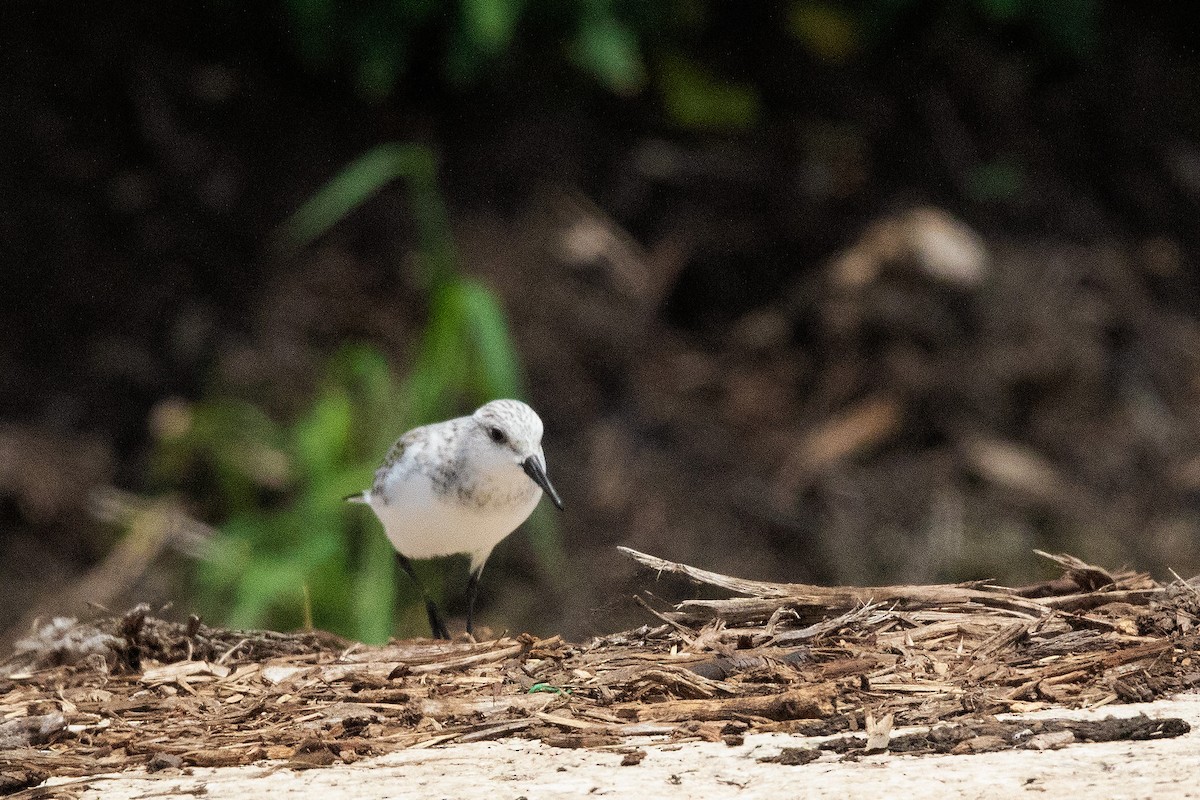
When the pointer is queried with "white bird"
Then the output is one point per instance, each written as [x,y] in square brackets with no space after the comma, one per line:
[460,486]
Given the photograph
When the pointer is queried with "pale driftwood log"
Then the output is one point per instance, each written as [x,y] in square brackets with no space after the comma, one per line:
[765,597]
[1082,602]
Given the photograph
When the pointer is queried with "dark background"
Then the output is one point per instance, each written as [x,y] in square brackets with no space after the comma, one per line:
[833,292]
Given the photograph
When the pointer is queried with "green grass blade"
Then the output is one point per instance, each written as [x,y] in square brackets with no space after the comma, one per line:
[498,368]
[375,589]
[361,180]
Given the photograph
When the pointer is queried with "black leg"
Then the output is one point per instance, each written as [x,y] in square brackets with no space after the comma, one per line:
[436,625]
[472,590]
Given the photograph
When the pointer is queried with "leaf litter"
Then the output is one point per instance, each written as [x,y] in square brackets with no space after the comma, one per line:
[850,663]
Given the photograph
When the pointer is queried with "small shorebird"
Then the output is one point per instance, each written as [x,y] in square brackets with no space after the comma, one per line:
[460,486]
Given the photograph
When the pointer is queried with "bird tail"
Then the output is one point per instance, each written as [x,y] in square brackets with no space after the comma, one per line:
[357,497]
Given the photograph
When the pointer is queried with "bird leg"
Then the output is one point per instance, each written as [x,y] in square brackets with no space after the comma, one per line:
[472,590]
[436,625]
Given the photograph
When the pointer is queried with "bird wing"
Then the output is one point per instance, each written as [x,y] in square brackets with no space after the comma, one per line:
[394,454]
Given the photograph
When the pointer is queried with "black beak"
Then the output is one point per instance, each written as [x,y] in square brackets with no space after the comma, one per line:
[533,468]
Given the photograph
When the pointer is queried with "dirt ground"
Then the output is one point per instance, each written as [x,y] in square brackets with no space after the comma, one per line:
[520,768]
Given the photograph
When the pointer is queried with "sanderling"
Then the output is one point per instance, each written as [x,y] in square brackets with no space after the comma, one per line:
[460,486]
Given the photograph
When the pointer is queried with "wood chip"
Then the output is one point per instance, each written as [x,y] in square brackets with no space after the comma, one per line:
[789,657]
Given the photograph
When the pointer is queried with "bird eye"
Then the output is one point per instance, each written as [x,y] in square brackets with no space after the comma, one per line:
[497,435]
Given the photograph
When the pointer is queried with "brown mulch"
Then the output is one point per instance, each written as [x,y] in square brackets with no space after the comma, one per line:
[80,699]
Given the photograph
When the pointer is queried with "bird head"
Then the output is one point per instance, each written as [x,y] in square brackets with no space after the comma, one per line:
[513,434]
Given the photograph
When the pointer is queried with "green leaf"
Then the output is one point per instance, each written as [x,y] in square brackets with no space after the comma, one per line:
[264,586]
[320,438]
[498,368]
[827,30]
[609,50]
[489,24]
[696,98]
[443,363]
[379,410]
[375,590]
[357,183]
[546,687]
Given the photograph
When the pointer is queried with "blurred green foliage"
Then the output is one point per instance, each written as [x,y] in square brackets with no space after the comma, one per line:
[289,551]
[381,41]
[679,48]
[697,98]
[827,30]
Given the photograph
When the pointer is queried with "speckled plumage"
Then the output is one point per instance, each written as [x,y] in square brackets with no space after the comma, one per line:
[452,488]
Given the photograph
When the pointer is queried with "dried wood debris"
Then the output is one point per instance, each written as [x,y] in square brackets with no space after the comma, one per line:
[80,699]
